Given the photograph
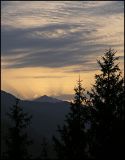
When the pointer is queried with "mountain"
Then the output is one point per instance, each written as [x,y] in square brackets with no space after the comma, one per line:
[7,100]
[46,98]
[46,116]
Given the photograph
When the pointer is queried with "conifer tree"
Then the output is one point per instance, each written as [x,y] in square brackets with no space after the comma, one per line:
[107,110]
[72,143]
[18,141]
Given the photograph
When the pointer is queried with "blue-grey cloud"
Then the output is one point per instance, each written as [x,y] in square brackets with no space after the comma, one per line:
[27,38]
[107,9]
[60,34]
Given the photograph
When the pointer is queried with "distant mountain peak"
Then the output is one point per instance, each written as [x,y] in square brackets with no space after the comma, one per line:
[44,95]
[2,92]
[46,98]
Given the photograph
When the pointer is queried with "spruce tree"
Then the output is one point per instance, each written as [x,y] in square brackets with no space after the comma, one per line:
[72,143]
[107,110]
[17,141]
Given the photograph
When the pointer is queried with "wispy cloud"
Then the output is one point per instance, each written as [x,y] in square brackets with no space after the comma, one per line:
[41,77]
[58,34]
[45,45]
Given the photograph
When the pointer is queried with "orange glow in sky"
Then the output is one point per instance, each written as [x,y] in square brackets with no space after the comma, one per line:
[46,45]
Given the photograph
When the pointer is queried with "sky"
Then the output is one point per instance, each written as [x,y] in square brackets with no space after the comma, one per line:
[45,45]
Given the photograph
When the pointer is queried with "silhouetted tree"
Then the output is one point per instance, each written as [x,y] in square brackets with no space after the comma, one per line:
[17,142]
[107,110]
[72,143]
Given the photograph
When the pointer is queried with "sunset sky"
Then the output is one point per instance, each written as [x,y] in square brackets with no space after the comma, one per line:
[46,45]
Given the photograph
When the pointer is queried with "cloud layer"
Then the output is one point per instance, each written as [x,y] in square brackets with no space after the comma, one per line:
[59,34]
[46,44]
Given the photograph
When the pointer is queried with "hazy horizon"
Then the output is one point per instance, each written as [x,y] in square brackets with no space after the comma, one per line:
[46,45]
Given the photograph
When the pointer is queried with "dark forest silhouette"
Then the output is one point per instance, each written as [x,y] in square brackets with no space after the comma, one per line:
[73,135]
[94,127]
[107,110]
[18,141]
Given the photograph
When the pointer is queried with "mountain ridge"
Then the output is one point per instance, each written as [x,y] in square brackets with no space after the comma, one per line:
[46,116]
[44,98]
